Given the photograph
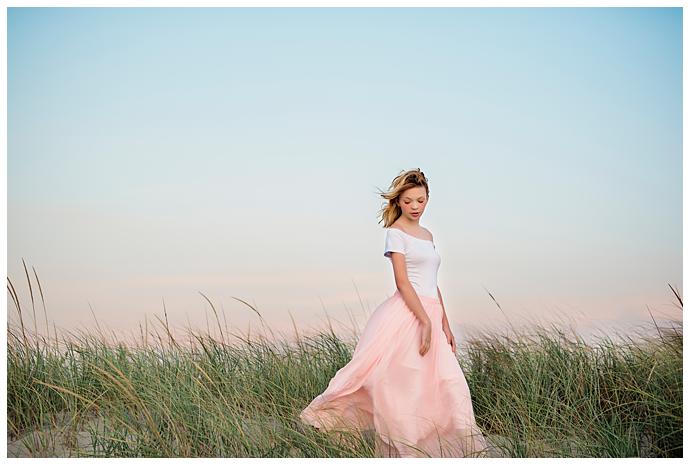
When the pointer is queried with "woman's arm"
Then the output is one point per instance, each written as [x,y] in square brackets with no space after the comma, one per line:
[445,326]
[411,298]
[407,292]
[445,318]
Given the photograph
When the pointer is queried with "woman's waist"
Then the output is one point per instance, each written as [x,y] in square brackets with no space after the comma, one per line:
[424,298]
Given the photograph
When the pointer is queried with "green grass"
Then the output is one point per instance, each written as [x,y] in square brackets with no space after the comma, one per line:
[544,394]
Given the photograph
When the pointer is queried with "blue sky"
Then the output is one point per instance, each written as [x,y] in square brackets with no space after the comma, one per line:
[157,152]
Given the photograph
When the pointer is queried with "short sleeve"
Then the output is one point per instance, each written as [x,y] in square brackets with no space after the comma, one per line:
[395,242]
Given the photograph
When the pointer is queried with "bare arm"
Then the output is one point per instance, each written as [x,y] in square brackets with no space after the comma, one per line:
[445,318]
[407,292]
[444,325]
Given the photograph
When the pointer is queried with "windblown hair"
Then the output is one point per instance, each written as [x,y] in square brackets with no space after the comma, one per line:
[403,181]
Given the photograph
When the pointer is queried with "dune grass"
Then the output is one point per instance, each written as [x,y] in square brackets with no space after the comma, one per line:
[541,394]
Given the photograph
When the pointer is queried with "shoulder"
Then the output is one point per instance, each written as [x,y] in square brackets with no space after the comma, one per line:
[395,236]
[431,235]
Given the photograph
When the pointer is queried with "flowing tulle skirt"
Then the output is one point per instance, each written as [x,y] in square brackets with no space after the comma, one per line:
[417,405]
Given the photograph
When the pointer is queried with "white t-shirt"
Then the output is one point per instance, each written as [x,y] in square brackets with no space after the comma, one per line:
[421,258]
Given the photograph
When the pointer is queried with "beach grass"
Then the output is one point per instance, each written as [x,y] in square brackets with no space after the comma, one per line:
[540,394]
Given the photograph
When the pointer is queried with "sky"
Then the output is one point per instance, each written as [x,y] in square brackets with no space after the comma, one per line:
[158,156]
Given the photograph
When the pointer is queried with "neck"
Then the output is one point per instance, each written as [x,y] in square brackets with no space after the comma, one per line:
[409,223]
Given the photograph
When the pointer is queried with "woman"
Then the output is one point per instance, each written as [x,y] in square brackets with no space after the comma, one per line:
[404,380]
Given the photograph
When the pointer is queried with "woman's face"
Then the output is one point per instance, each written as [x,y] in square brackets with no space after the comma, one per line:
[413,202]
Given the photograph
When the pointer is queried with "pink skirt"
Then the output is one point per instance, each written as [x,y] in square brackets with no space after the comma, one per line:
[418,405]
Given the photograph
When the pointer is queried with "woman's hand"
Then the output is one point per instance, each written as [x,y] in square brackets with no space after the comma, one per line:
[449,337]
[426,338]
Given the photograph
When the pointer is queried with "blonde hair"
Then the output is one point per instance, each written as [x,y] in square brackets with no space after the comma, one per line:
[403,181]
